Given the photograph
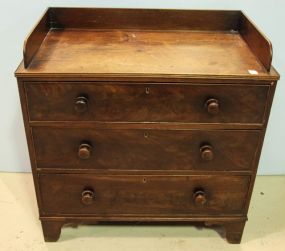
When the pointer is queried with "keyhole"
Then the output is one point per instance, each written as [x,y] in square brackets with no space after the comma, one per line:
[147,90]
[144,180]
[146,135]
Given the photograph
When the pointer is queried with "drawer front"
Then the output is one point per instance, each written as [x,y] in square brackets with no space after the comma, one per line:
[133,194]
[145,149]
[146,102]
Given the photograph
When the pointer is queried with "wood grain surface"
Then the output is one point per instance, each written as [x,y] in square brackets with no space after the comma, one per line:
[122,102]
[139,195]
[144,52]
[163,150]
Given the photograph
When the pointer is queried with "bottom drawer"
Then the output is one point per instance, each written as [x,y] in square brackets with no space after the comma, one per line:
[141,195]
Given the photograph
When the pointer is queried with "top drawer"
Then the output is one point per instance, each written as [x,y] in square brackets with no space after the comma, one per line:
[213,103]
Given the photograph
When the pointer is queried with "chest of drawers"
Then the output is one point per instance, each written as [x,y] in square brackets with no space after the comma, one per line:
[145,115]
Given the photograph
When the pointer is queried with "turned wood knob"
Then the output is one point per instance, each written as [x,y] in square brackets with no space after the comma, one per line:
[84,151]
[81,104]
[200,198]
[207,153]
[212,106]
[87,197]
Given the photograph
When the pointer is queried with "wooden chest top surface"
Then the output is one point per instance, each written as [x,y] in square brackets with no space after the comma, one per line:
[146,43]
[145,52]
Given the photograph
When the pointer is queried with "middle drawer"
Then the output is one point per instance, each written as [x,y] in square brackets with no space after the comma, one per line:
[139,149]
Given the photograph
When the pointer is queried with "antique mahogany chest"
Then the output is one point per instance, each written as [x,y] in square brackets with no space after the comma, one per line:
[145,115]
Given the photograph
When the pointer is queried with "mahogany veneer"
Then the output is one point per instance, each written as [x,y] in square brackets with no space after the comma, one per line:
[145,115]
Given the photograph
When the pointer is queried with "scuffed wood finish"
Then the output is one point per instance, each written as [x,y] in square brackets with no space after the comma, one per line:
[145,149]
[125,36]
[141,195]
[146,102]
[145,115]
[145,52]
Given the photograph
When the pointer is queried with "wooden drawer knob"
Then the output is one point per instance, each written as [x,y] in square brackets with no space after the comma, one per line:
[212,106]
[200,198]
[87,197]
[81,104]
[84,151]
[207,153]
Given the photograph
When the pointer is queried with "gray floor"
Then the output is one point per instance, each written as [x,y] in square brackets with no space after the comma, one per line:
[21,230]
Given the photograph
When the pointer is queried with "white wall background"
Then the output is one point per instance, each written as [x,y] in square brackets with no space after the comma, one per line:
[17,17]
